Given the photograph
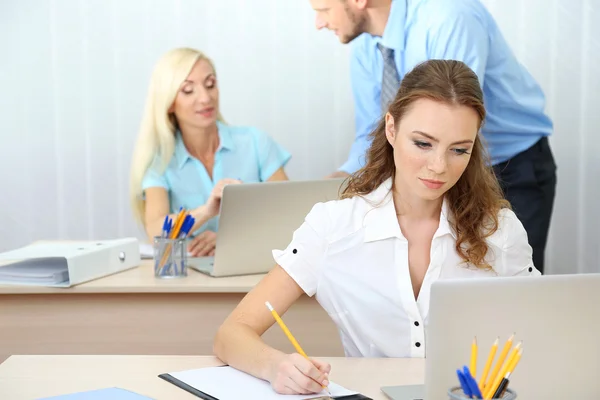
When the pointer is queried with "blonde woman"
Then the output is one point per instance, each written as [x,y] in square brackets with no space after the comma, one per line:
[186,154]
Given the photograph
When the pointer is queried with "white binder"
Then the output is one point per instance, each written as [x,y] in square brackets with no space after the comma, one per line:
[64,264]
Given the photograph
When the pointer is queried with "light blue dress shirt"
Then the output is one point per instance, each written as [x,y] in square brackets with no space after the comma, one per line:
[244,153]
[419,30]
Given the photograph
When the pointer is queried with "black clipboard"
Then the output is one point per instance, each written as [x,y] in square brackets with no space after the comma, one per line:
[204,396]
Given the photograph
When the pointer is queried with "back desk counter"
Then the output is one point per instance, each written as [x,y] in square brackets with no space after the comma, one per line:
[133,313]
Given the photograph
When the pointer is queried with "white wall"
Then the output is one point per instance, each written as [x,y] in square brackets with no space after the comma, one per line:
[74,74]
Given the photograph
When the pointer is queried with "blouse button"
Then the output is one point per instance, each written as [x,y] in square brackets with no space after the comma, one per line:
[294,251]
[416,323]
[418,344]
[530,269]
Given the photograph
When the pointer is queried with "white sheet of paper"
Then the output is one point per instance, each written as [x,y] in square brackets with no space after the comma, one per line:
[226,383]
[146,251]
[36,271]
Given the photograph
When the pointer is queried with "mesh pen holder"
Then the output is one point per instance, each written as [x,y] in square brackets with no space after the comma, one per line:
[456,393]
[170,258]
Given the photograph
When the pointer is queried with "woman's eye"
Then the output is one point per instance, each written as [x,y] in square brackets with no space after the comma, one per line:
[461,151]
[422,145]
[210,84]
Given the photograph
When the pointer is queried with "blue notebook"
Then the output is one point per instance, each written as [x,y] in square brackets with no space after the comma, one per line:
[101,394]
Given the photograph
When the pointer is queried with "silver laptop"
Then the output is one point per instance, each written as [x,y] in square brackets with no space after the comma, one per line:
[556,316]
[256,218]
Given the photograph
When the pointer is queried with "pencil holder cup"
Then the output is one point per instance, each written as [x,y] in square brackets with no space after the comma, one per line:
[456,393]
[170,258]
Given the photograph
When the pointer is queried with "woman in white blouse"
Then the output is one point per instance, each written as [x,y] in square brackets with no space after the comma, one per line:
[424,207]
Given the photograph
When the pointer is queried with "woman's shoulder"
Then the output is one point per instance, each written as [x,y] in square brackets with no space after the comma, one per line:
[338,218]
[509,226]
[510,246]
[156,174]
[508,234]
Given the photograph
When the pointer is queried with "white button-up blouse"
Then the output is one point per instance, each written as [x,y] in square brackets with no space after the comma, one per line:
[352,255]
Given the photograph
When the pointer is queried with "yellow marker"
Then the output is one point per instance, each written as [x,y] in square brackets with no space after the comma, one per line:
[474,358]
[488,364]
[289,335]
[503,354]
[490,390]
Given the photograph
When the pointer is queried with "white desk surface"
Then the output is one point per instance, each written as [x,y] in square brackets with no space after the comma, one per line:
[28,377]
[141,280]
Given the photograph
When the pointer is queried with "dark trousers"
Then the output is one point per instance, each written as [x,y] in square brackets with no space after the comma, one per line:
[529,184]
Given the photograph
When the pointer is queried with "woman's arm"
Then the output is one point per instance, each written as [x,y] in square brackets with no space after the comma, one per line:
[157,207]
[238,341]
[278,175]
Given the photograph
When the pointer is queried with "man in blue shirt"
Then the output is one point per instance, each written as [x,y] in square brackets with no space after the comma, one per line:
[389,38]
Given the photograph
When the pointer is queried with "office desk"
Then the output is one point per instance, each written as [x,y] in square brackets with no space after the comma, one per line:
[28,377]
[134,313]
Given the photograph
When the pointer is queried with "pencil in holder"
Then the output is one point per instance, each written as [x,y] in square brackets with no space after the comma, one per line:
[170,257]
[457,393]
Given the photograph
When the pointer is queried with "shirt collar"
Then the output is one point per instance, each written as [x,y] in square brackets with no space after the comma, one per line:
[225,138]
[381,222]
[393,34]
[225,143]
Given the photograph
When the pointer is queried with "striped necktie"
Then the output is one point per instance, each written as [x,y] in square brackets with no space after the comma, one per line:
[390,81]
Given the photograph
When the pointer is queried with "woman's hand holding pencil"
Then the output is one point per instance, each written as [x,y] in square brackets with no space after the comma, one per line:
[297,373]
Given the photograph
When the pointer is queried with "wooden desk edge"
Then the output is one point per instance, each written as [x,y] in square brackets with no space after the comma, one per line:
[146,284]
[6,290]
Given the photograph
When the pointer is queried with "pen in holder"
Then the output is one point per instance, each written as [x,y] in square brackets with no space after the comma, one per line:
[457,393]
[170,249]
[170,257]
[493,382]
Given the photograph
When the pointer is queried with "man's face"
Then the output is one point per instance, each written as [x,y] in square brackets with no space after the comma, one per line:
[344,17]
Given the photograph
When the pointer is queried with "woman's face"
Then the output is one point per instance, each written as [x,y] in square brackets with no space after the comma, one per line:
[197,102]
[432,145]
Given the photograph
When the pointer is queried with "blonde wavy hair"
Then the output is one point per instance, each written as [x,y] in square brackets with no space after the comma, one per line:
[475,200]
[157,131]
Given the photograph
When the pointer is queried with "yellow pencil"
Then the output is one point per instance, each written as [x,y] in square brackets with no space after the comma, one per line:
[474,358]
[489,391]
[178,223]
[513,364]
[488,364]
[289,334]
[503,354]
